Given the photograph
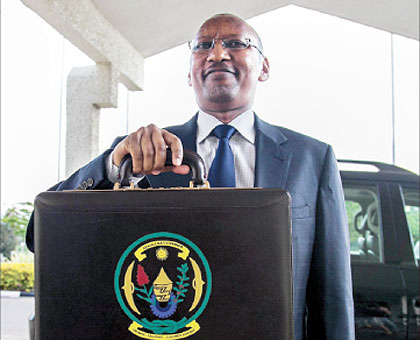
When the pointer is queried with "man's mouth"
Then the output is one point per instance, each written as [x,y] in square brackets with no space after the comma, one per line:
[218,71]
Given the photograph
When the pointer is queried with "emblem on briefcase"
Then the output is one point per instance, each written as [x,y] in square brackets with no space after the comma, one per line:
[163,283]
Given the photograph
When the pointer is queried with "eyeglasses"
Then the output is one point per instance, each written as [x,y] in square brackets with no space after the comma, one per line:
[198,46]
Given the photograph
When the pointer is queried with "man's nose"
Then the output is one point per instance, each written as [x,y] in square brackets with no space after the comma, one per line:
[218,52]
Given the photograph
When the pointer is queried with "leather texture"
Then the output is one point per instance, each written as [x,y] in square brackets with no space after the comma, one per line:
[245,235]
[307,168]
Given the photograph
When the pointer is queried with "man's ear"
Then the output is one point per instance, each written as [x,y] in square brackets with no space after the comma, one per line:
[189,78]
[265,72]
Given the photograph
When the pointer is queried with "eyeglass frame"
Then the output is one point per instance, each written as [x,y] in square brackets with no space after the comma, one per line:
[247,41]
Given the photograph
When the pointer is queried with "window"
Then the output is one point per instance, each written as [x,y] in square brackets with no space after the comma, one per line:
[411,208]
[365,225]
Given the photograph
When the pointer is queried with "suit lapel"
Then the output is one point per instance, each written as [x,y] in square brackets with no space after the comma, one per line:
[272,160]
[187,133]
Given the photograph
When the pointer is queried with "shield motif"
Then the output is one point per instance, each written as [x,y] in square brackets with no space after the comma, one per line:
[163,284]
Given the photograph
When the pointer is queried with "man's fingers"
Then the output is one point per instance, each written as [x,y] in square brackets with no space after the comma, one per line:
[148,150]
[119,152]
[134,148]
[180,170]
[159,150]
[129,145]
[174,143]
[147,147]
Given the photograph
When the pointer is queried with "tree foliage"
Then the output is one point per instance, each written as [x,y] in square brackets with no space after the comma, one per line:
[17,217]
[352,209]
[412,214]
[13,227]
[7,240]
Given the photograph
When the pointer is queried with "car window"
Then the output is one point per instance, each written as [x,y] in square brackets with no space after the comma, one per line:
[411,208]
[363,212]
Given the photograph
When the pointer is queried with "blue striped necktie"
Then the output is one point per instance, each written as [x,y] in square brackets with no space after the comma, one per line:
[222,170]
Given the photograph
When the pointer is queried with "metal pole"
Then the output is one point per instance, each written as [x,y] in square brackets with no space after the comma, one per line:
[393,98]
[127,111]
[60,117]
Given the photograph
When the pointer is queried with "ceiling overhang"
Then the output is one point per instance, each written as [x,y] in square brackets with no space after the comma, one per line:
[125,32]
[155,26]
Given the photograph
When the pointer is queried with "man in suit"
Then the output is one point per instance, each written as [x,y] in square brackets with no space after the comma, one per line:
[227,62]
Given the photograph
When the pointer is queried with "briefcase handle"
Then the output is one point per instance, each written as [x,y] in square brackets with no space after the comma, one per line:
[191,158]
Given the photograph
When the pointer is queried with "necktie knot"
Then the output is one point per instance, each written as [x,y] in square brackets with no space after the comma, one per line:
[224,131]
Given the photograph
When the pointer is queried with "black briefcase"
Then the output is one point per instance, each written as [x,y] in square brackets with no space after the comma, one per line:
[163,264]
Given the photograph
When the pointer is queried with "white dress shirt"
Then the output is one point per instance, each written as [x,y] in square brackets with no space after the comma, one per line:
[242,144]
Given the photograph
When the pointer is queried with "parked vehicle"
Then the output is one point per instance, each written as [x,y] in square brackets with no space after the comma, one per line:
[383,213]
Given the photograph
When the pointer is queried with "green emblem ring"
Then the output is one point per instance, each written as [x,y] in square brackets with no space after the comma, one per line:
[127,311]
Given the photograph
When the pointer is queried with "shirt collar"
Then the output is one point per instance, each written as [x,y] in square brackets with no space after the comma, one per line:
[244,124]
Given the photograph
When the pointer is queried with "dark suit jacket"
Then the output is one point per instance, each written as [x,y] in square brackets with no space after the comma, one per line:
[323,303]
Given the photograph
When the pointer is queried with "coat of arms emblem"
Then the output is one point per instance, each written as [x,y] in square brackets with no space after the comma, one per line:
[163,283]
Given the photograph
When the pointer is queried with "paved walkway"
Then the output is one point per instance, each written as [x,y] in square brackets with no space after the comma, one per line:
[14,317]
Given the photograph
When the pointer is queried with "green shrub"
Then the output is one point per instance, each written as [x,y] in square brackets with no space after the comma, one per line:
[17,276]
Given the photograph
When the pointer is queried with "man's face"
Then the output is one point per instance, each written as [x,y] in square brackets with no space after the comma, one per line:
[225,79]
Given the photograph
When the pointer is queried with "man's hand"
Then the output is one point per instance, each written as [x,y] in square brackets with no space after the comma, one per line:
[147,147]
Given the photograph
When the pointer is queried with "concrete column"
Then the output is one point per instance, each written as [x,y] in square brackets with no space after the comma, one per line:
[88,90]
